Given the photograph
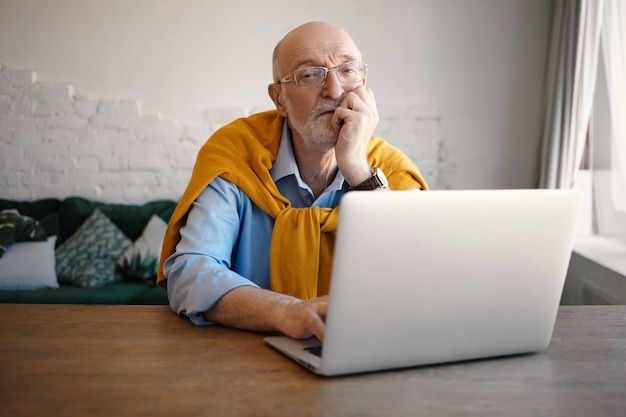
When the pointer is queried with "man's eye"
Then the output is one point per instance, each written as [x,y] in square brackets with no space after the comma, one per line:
[309,74]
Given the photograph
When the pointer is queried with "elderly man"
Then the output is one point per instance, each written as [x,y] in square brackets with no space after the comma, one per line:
[250,242]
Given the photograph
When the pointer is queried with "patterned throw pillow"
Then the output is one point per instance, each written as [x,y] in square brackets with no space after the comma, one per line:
[15,227]
[87,258]
[141,260]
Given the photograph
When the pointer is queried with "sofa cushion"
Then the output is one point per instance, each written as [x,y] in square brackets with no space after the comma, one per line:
[130,218]
[116,293]
[141,260]
[28,266]
[37,209]
[16,227]
[153,295]
[87,258]
[44,210]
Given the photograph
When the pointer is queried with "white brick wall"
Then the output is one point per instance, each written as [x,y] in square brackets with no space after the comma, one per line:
[55,143]
[415,129]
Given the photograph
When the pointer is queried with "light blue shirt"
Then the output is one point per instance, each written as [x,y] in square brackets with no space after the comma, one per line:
[226,241]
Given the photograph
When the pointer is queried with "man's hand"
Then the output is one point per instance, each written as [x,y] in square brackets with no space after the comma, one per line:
[355,118]
[252,308]
[301,319]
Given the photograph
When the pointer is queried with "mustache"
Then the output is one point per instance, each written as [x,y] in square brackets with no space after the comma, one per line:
[325,106]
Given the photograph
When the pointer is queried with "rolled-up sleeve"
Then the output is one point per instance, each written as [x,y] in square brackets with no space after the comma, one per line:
[216,251]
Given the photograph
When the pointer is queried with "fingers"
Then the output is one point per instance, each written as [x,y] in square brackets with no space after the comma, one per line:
[359,109]
[306,318]
[314,316]
[317,325]
[355,119]
[360,99]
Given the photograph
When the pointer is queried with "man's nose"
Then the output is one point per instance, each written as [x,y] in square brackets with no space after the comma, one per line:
[333,87]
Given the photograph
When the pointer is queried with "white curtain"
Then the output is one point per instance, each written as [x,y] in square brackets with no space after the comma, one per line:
[571,79]
[614,52]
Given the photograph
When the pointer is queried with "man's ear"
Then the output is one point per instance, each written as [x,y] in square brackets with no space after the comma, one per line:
[275,91]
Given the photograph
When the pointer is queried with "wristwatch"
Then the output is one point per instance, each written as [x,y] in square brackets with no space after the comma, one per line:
[372,183]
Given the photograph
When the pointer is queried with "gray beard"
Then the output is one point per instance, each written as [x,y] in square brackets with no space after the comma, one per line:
[319,132]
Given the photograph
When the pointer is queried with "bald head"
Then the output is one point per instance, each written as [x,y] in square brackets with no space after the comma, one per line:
[310,44]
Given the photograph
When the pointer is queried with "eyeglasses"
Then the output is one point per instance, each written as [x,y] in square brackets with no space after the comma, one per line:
[313,77]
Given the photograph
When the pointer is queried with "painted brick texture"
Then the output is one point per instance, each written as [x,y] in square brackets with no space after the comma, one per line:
[55,143]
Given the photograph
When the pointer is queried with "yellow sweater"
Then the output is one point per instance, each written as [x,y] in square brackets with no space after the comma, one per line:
[303,238]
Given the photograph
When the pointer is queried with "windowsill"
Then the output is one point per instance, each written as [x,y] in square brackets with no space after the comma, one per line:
[607,251]
[597,271]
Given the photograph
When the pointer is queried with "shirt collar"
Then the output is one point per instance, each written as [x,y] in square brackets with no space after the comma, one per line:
[285,163]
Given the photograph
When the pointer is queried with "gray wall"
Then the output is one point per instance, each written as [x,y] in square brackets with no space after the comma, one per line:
[466,74]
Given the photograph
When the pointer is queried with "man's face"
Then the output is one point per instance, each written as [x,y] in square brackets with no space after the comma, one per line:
[309,115]
[309,111]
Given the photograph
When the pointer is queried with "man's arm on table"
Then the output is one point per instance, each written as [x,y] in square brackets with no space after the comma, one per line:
[253,308]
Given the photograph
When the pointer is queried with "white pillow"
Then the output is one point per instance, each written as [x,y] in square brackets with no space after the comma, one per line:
[29,266]
[141,260]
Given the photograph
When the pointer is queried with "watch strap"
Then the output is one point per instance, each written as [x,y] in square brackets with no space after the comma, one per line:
[372,183]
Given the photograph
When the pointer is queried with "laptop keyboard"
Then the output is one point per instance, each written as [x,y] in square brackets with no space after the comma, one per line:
[316,350]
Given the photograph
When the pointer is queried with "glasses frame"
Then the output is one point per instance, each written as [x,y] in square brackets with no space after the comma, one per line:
[286,78]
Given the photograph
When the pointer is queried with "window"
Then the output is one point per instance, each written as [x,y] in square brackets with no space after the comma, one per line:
[608,126]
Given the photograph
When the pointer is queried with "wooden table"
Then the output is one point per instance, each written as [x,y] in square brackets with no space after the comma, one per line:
[144,360]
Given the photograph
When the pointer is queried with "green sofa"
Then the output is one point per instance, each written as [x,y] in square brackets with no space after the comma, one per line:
[63,217]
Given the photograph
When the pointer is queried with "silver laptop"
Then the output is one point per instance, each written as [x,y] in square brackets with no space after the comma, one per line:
[423,278]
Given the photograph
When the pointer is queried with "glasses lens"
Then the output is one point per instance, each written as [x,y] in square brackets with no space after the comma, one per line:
[351,72]
[309,76]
